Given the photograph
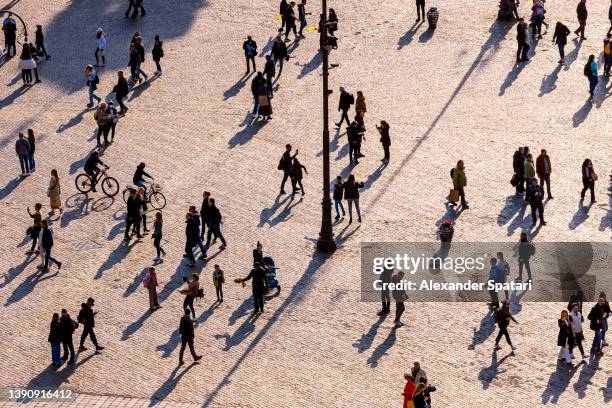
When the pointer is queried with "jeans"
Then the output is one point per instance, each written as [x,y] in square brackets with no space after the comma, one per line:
[420,5]
[577,342]
[188,303]
[522,50]
[285,177]
[280,62]
[537,207]
[386,300]
[103,130]
[604,325]
[48,258]
[157,66]
[55,353]
[339,206]
[42,47]
[561,50]
[597,340]
[184,342]
[68,347]
[303,25]
[350,205]
[120,103]
[92,95]
[88,330]
[214,229]
[189,250]
[157,245]
[25,164]
[592,83]
[256,105]
[201,245]
[31,161]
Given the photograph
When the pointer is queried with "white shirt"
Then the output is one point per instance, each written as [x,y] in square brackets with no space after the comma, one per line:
[576,321]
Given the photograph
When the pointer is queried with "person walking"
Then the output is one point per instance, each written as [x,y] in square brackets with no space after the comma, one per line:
[351,195]
[604,321]
[543,169]
[529,172]
[191,240]
[493,277]
[302,17]
[132,214]
[157,53]
[258,274]
[536,194]
[114,118]
[576,319]
[250,51]
[281,10]
[344,104]
[47,244]
[32,150]
[521,39]
[200,242]
[419,396]
[560,38]
[525,250]
[40,42]
[420,6]
[591,70]
[565,338]
[218,281]
[36,227]
[55,338]
[290,21]
[607,53]
[100,47]
[205,213]
[285,164]
[408,393]
[150,282]
[191,292]
[385,293]
[92,84]
[596,317]
[68,326]
[53,192]
[22,149]
[588,179]
[297,175]
[502,318]
[187,336]
[385,140]
[279,53]
[157,236]
[360,109]
[581,14]
[537,19]
[87,318]
[103,121]
[460,182]
[121,90]
[338,194]
[400,296]
[354,133]
[215,224]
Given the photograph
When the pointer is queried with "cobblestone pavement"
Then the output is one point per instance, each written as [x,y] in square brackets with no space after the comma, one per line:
[448,95]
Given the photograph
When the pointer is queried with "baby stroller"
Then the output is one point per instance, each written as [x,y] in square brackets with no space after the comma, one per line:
[271,281]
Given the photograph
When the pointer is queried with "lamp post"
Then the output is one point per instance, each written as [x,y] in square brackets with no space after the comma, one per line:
[25,27]
[326,242]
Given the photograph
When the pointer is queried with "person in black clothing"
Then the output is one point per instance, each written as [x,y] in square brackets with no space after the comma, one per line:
[250,51]
[139,47]
[258,87]
[114,116]
[285,164]
[270,73]
[290,21]
[68,326]
[40,41]
[582,14]
[279,53]
[157,53]
[385,297]
[258,274]
[296,175]
[525,250]
[136,4]
[139,176]
[258,254]
[133,214]
[191,237]
[55,338]
[281,10]
[344,104]
[302,17]
[9,27]
[187,335]
[338,195]
[521,39]
[502,318]
[420,6]
[560,38]
[87,318]
[47,245]
[565,339]
[354,133]
[205,213]
[588,179]
[399,295]
[332,22]
[91,168]
[121,90]
[536,194]
[215,224]
[596,316]
[518,164]
[385,140]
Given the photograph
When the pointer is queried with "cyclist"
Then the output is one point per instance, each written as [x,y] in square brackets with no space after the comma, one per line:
[139,176]
[92,170]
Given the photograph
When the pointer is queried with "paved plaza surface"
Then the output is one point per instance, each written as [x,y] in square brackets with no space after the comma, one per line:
[448,95]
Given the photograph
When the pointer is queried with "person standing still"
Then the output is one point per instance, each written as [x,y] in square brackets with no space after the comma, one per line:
[576,319]
[187,335]
[100,47]
[400,296]
[591,70]
[460,182]
[521,39]
[53,192]
[420,6]
[32,142]
[250,51]
[588,179]
[385,140]
[543,169]
[258,274]
[87,318]
[529,172]
[22,149]
[157,236]
[191,239]
[35,229]
[385,294]
[503,317]
[218,281]
[338,194]
[581,14]
[68,328]
[150,282]
[360,109]
[157,54]
[190,293]
[55,338]
[40,42]
[525,250]
[565,338]
[536,194]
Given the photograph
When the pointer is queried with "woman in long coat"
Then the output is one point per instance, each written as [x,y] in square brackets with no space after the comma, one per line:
[54,193]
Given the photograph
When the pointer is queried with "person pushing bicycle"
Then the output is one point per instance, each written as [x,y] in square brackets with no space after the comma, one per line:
[91,168]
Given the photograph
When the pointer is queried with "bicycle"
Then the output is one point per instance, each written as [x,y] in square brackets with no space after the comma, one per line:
[154,197]
[110,185]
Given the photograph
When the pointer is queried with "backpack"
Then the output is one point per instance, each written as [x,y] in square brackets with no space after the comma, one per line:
[281,164]
[587,69]
[351,99]
[96,80]
[452,172]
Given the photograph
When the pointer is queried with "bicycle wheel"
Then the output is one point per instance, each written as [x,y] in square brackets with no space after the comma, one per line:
[110,186]
[157,200]
[126,195]
[83,183]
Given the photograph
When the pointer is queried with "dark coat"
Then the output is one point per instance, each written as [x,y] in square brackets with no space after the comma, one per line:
[55,332]
[338,191]
[250,48]
[385,139]
[351,191]
[525,250]
[191,231]
[565,333]
[540,164]
[186,327]
[67,327]
[157,52]
[215,215]
[205,211]
[581,11]
[345,101]
[596,316]
[40,38]
[258,86]
[86,316]
[122,88]
[133,207]
[47,239]
[521,33]
[518,163]
[259,280]
[270,68]
[279,50]
[561,33]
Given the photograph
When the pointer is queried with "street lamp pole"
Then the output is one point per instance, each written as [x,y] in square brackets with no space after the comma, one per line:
[326,242]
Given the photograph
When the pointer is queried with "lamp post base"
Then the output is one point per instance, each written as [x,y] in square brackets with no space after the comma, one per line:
[326,245]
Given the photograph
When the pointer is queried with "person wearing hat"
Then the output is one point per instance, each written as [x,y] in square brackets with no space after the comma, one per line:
[87,318]
[187,335]
[40,42]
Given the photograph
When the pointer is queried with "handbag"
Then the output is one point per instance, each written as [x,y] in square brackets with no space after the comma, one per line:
[263,100]
[453,195]
[594,177]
